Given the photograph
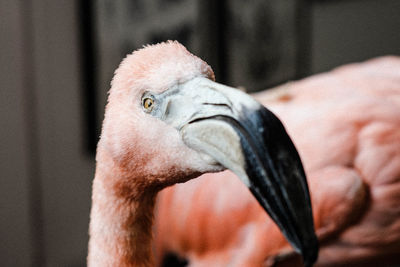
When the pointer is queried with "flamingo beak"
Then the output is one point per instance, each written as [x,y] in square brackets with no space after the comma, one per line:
[240,134]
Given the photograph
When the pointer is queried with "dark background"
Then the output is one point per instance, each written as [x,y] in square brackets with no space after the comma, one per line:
[57,59]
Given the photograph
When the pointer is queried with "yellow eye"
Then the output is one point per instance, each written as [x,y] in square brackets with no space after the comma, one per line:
[148,103]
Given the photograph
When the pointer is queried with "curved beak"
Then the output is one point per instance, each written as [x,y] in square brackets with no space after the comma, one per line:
[242,135]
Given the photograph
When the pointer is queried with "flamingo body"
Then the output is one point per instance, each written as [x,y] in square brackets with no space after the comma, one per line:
[346,126]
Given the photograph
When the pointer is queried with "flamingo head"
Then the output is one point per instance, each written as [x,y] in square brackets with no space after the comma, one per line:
[168,121]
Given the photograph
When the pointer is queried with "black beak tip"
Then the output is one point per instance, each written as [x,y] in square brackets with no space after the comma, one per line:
[281,185]
[310,253]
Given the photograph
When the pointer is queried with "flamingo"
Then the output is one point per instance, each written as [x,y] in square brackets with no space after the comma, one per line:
[167,122]
[346,126]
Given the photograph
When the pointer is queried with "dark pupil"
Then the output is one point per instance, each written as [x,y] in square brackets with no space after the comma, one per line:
[149,103]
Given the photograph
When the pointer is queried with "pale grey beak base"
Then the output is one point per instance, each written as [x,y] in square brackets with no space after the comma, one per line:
[223,145]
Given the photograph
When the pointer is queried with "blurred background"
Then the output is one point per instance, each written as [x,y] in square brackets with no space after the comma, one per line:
[57,59]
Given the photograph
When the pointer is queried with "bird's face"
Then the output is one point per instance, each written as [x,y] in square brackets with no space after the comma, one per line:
[167,118]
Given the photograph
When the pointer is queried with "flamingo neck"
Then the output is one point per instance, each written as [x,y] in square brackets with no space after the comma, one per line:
[121,218]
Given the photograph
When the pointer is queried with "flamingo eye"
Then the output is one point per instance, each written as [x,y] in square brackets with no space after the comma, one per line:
[148,103]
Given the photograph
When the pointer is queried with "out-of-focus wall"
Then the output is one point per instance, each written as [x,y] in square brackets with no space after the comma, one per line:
[66,169]
[15,248]
[46,172]
[352,31]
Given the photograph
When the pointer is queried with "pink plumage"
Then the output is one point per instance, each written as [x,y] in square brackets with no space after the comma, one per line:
[346,126]
[131,158]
